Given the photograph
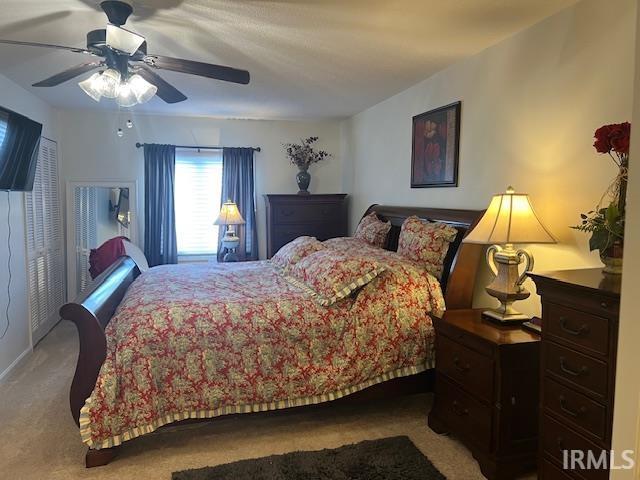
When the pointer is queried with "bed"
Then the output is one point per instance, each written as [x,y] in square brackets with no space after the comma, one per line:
[196,342]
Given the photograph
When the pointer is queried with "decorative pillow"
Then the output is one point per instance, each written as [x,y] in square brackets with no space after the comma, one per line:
[329,275]
[296,250]
[373,231]
[426,243]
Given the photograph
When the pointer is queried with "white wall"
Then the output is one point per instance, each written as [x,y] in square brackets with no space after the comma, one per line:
[626,422]
[18,338]
[92,151]
[530,106]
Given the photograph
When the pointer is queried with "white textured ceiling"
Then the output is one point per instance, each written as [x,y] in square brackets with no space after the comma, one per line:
[307,58]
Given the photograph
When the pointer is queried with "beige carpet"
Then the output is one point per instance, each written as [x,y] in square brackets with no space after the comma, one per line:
[38,439]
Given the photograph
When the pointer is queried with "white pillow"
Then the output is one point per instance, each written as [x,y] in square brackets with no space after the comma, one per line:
[136,255]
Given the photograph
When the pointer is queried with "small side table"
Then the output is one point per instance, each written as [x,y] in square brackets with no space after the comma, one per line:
[486,391]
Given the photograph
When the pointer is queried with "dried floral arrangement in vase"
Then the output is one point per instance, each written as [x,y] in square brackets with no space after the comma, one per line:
[302,155]
[606,221]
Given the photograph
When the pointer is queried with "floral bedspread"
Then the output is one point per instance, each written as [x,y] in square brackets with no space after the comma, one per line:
[198,341]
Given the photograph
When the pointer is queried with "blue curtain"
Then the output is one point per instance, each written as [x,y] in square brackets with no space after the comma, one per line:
[160,244]
[238,186]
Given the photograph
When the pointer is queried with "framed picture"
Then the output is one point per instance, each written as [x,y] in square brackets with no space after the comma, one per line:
[436,140]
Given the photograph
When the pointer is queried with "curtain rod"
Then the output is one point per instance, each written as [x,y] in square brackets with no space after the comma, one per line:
[195,147]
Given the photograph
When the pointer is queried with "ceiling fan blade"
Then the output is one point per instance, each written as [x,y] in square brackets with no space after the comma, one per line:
[123,40]
[68,74]
[166,91]
[47,45]
[217,72]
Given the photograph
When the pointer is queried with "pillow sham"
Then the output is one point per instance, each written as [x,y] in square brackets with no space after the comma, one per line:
[296,250]
[329,276]
[426,243]
[373,231]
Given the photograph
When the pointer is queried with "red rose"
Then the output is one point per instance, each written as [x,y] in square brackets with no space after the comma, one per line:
[620,136]
[602,144]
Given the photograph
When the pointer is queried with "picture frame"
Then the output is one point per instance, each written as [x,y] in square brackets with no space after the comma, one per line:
[436,147]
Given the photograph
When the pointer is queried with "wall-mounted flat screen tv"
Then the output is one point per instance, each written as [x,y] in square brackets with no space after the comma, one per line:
[19,147]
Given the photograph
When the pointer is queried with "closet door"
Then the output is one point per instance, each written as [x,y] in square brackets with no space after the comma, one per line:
[86,232]
[45,254]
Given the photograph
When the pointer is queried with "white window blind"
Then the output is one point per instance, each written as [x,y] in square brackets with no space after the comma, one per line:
[45,255]
[197,201]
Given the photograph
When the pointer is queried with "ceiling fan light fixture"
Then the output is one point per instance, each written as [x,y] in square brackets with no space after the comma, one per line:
[90,87]
[143,90]
[109,82]
[126,97]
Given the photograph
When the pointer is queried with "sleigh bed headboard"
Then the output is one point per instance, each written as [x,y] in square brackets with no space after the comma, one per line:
[462,260]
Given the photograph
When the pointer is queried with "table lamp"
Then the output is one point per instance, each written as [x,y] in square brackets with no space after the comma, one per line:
[509,219]
[229,216]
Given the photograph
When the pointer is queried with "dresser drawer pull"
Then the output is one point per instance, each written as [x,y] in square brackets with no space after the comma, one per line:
[569,371]
[604,305]
[569,411]
[287,213]
[583,329]
[462,368]
[461,412]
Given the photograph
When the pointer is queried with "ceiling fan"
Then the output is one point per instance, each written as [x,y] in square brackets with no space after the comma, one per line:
[126,72]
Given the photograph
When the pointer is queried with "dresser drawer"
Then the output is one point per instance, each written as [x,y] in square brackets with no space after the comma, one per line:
[581,370]
[556,438]
[466,367]
[575,408]
[550,471]
[306,212]
[576,327]
[465,416]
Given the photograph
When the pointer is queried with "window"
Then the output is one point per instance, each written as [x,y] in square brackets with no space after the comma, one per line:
[197,201]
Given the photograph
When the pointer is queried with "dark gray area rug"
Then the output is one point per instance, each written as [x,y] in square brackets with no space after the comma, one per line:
[395,458]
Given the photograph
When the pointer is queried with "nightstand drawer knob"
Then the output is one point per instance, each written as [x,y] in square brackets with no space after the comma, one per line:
[583,329]
[462,368]
[459,410]
[604,305]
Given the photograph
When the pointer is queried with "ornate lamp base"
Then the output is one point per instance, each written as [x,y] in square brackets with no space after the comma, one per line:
[230,241]
[507,284]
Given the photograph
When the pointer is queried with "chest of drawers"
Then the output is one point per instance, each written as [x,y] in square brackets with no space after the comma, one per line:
[291,216]
[578,364]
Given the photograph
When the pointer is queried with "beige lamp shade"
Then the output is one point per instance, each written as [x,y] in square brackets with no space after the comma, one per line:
[510,218]
[229,215]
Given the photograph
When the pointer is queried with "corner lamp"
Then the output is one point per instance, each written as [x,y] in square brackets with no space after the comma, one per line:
[230,216]
[509,219]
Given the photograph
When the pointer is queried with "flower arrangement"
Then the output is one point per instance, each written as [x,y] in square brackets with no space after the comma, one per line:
[303,154]
[606,221]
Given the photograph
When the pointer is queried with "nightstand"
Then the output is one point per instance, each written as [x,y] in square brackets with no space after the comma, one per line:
[486,391]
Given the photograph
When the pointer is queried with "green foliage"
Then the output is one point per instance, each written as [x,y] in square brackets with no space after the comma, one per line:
[605,225]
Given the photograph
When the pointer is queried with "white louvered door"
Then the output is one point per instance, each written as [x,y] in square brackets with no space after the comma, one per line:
[85,208]
[45,254]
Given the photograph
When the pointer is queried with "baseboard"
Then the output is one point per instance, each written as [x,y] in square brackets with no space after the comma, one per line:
[14,364]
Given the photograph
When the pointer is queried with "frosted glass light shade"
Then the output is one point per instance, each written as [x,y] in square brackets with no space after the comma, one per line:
[109,83]
[126,97]
[510,218]
[90,87]
[143,90]
[229,215]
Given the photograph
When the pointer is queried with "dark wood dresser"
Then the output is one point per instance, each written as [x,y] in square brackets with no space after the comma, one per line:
[290,216]
[486,391]
[578,365]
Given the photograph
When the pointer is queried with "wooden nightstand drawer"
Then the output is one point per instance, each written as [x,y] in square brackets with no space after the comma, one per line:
[575,408]
[556,438]
[576,327]
[472,371]
[465,415]
[548,470]
[582,371]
